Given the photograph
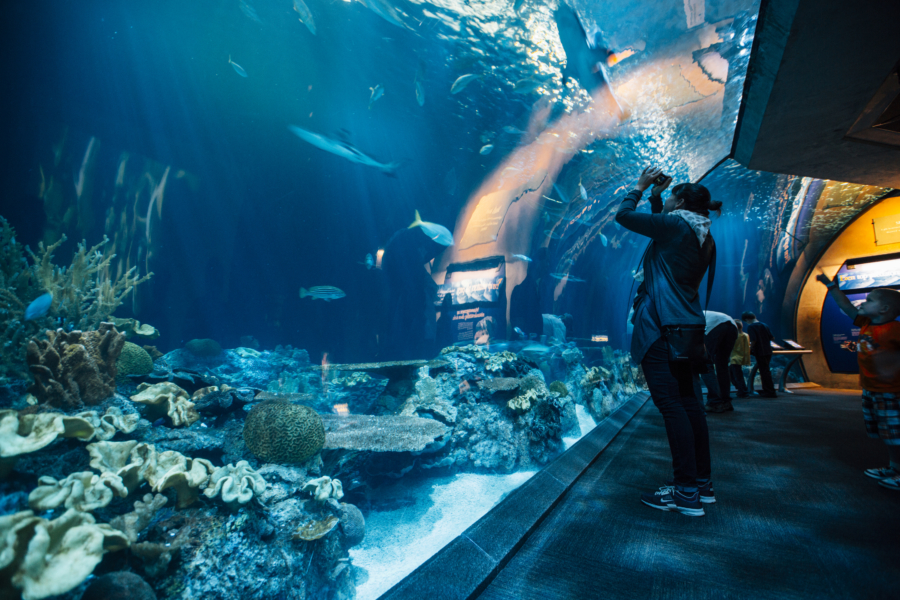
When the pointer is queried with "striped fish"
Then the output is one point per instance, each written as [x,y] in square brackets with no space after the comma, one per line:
[322,292]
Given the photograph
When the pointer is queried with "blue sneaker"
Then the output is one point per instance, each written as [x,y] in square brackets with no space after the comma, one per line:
[707,494]
[668,498]
[662,499]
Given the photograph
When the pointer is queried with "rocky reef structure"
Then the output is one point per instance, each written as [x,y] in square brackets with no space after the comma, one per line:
[83,294]
[75,368]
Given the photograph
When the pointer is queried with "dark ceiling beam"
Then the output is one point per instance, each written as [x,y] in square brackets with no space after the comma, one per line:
[816,65]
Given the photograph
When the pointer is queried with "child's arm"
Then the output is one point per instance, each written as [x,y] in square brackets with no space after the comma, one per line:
[842,301]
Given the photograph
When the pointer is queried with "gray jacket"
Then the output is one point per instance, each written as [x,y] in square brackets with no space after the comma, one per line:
[673,269]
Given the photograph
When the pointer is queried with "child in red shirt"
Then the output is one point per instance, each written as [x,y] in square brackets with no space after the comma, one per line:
[878,352]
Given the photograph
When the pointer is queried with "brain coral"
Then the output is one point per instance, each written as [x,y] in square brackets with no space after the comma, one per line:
[134,360]
[281,432]
[204,347]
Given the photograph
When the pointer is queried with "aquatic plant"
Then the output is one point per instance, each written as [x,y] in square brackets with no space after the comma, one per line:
[84,293]
[277,431]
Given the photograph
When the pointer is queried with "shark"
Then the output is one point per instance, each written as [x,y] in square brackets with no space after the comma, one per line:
[585,61]
[344,150]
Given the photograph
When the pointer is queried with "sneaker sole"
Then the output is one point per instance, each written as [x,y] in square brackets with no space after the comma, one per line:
[691,512]
[892,486]
[708,499]
[877,477]
[657,506]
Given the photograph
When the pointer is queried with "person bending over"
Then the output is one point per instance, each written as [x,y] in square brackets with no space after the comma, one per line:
[761,348]
[676,260]
[878,352]
[740,356]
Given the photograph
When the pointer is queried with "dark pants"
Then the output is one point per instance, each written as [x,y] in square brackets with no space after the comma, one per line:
[719,344]
[737,378]
[672,391]
[765,373]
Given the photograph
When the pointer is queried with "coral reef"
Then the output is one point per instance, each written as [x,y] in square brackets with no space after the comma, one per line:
[46,558]
[24,433]
[500,361]
[278,431]
[133,360]
[83,491]
[523,402]
[131,524]
[499,384]
[324,488]
[84,295]
[237,484]
[133,329]
[75,368]
[167,399]
[559,388]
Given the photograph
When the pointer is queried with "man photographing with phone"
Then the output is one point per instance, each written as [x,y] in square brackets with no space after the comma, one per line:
[669,327]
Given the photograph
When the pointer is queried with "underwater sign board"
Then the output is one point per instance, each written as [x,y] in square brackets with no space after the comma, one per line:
[473,301]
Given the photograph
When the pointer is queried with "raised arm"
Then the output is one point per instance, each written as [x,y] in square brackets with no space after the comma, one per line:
[842,301]
[656,225]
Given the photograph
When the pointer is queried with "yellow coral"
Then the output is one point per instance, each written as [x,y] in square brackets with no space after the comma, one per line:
[47,558]
[167,399]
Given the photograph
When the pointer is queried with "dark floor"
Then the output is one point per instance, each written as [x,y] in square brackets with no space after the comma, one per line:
[795,516]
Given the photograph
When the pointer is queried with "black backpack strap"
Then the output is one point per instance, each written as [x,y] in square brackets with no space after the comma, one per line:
[711,274]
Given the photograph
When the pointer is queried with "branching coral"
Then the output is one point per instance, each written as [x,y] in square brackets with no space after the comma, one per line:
[84,293]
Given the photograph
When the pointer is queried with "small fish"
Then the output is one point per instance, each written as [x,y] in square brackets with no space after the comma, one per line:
[39,307]
[583,192]
[553,234]
[461,82]
[322,292]
[305,16]
[420,93]
[550,199]
[237,68]
[521,257]
[159,422]
[567,277]
[438,233]
[513,130]
[618,227]
[604,240]
[249,11]
[486,149]
[535,351]
[528,85]
[377,92]
[369,262]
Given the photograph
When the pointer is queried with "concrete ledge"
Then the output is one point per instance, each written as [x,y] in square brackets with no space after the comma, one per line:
[464,567]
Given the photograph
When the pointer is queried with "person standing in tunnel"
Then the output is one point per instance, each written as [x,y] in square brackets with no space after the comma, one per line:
[667,306]
[721,334]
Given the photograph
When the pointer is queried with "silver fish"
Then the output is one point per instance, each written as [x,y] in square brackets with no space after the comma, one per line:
[583,192]
[305,16]
[322,292]
[486,149]
[237,68]
[604,240]
[528,85]
[521,257]
[420,93]
[567,277]
[438,233]
[377,92]
[344,150]
[513,130]
[249,11]
[461,83]
[384,10]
